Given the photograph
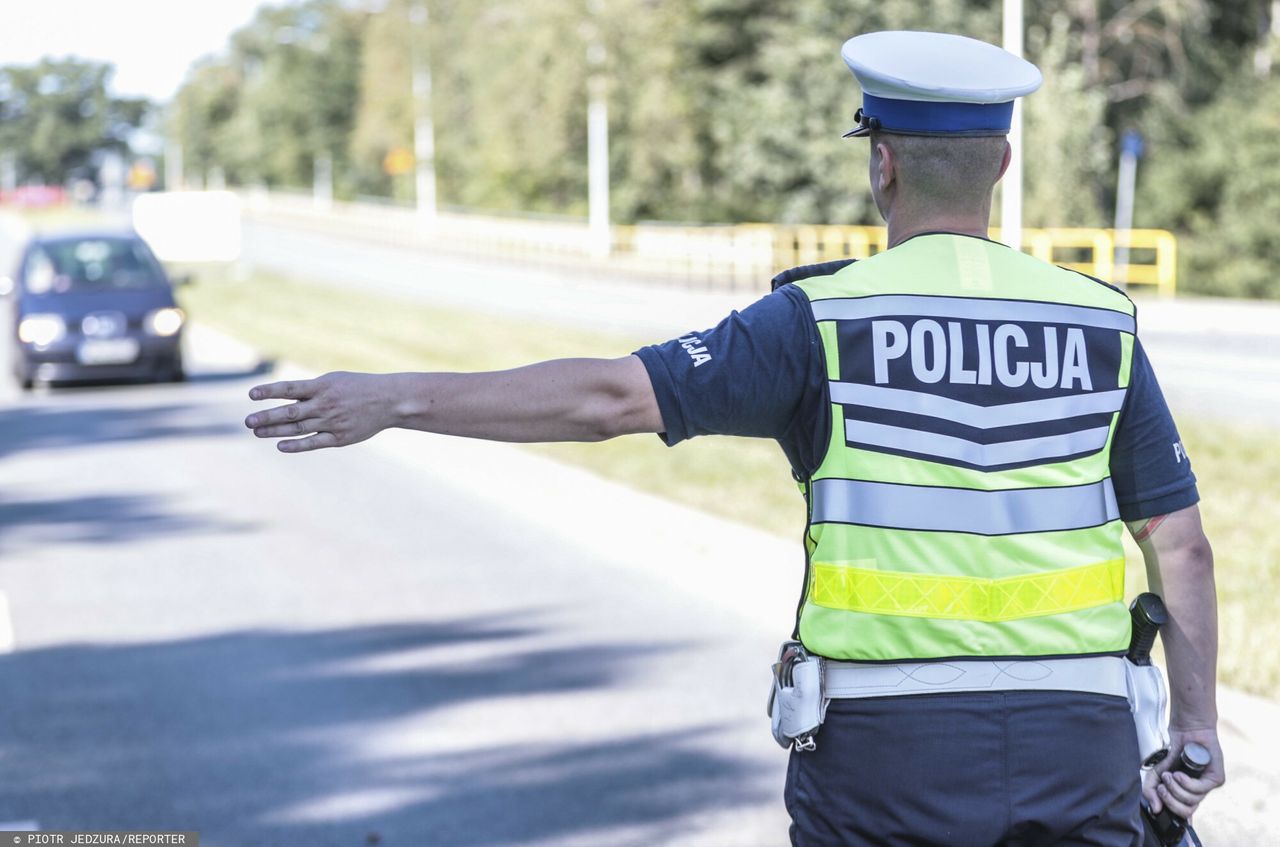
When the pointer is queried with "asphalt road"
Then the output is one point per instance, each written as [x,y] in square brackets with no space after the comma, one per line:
[210,635]
[426,641]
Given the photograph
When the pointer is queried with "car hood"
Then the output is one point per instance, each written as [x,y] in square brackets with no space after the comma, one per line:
[77,304]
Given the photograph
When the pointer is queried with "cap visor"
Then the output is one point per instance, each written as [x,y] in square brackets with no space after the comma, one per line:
[857,132]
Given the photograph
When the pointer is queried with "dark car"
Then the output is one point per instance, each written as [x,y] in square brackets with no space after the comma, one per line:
[94,306]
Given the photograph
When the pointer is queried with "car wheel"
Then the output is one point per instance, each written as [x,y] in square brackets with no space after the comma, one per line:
[177,373]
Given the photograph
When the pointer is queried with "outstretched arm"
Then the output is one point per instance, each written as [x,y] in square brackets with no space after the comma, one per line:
[560,400]
[1180,568]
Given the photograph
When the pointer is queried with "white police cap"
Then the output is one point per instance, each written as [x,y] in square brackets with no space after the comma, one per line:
[933,83]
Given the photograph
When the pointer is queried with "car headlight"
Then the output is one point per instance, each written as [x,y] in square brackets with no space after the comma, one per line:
[41,330]
[164,322]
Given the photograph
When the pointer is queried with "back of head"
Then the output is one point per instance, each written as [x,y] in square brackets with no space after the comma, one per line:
[945,172]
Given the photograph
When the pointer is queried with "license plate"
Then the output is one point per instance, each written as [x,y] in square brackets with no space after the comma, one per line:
[108,351]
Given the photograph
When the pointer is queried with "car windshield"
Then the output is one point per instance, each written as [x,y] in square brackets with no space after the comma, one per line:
[90,264]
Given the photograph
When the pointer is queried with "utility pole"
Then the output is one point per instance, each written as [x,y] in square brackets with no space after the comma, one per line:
[8,172]
[322,181]
[1126,181]
[597,139]
[1269,30]
[424,140]
[1011,192]
[173,177]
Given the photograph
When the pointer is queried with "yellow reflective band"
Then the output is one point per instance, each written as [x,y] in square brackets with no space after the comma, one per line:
[855,589]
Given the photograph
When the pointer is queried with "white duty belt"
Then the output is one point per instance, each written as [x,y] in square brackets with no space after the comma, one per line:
[804,685]
[1089,674]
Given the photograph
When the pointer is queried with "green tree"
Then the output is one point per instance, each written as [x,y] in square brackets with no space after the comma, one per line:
[511,110]
[201,115]
[284,95]
[777,113]
[732,110]
[1067,143]
[658,131]
[57,114]
[1216,178]
[384,112]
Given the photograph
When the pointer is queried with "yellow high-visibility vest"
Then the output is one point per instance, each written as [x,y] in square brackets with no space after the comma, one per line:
[964,505]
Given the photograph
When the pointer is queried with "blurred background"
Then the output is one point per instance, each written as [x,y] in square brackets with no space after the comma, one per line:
[418,641]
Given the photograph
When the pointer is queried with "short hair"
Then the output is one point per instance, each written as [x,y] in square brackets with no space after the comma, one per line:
[946,170]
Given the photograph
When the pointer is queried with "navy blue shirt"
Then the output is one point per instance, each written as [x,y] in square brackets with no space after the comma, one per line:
[761,373]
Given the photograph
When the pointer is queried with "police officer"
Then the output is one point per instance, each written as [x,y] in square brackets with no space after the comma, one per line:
[973,428]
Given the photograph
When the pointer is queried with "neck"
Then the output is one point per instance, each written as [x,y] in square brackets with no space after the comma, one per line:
[905,222]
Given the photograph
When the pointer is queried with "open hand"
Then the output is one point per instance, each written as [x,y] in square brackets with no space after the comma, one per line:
[333,410]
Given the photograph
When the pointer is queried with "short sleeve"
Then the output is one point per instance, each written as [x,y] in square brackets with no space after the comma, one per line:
[1150,468]
[756,373]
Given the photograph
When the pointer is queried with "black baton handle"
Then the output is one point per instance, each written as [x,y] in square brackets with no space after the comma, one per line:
[1148,614]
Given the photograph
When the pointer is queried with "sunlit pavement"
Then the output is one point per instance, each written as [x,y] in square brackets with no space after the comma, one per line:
[306,650]
[441,642]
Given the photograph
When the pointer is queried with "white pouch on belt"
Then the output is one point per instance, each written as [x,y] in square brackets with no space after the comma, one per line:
[796,704]
[1148,701]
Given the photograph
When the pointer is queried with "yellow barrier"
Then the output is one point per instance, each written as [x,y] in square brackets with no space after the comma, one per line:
[1151,253]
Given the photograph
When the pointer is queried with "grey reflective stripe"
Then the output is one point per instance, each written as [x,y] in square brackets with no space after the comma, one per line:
[970,414]
[973,453]
[900,305]
[963,510]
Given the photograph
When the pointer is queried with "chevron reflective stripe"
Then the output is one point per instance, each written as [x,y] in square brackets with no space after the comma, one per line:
[967,598]
[917,507]
[970,414]
[956,449]
[898,305]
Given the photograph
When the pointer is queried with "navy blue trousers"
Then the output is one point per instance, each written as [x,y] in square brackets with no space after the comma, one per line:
[993,769]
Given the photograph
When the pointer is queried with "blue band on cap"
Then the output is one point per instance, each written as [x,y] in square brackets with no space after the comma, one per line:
[932,118]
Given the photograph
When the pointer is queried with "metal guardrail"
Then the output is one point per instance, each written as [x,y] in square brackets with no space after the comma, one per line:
[736,256]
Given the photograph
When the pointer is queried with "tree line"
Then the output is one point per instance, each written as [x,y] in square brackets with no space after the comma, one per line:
[733,110]
[58,116]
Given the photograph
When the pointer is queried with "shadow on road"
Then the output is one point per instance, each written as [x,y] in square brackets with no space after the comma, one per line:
[102,519]
[47,428]
[303,738]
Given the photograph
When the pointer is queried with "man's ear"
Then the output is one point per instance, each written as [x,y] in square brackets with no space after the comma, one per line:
[1004,161]
[887,172]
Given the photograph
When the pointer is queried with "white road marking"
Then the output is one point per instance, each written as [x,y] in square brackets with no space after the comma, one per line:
[6,629]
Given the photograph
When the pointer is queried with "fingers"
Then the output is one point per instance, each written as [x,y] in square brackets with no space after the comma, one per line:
[319,441]
[1182,793]
[291,390]
[292,413]
[1176,797]
[285,430]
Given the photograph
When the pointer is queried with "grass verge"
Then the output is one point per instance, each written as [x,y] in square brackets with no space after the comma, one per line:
[746,480]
